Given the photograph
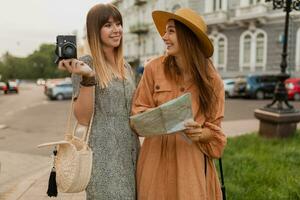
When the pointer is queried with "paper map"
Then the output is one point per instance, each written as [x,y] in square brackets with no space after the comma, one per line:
[164,119]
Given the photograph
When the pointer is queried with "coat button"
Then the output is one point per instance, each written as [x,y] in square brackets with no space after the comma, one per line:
[182,89]
[157,87]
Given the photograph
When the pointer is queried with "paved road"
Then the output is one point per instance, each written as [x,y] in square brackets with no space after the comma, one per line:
[239,109]
[30,119]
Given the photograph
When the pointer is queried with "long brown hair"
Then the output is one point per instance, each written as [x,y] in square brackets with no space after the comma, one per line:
[197,65]
[96,18]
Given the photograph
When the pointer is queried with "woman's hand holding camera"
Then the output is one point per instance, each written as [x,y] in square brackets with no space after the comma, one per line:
[197,133]
[76,66]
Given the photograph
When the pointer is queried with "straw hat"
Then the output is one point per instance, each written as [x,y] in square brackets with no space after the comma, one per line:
[191,19]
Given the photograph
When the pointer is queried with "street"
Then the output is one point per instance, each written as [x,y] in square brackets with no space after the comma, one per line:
[29,118]
[241,109]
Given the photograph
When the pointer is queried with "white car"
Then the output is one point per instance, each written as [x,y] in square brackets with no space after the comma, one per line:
[40,81]
[229,87]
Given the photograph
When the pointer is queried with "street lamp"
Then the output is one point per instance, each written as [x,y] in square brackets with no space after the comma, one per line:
[281,95]
[280,121]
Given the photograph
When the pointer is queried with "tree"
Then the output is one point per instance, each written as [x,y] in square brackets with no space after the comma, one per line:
[39,64]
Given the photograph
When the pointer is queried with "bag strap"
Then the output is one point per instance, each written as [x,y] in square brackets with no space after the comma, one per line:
[87,135]
[68,131]
[69,134]
[222,179]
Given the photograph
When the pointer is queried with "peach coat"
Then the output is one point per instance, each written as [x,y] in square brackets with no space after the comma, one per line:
[168,167]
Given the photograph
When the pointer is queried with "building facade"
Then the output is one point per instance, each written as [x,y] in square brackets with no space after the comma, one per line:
[247,34]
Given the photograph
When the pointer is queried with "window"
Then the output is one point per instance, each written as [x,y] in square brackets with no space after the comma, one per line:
[215,5]
[253,2]
[220,54]
[253,51]
[260,48]
[221,49]
[247,50]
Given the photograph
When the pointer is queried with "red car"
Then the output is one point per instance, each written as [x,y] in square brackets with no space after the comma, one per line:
[10,86]
[3,87]
[293,88]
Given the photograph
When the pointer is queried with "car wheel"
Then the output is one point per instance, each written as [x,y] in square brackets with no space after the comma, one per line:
[60,97]
[260,94]
[297,97]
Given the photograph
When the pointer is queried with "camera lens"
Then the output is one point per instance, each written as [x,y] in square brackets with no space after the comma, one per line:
[69,50]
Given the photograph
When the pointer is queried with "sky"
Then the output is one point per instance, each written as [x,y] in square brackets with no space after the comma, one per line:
[25,24]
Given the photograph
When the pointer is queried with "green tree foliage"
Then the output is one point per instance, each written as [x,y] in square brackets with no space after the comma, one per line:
[39,64]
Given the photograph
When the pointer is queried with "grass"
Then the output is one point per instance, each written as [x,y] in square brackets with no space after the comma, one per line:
[257,168]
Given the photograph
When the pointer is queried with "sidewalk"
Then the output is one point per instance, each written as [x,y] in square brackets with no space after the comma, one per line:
[35,186]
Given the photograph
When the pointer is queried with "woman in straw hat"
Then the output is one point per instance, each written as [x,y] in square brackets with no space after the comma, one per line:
[168,166]
[115,146]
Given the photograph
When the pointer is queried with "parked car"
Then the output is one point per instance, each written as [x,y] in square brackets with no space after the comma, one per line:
[60,91]
[13,86]
[9,86]
[256,86]
[40,81]
[3,87]
[229,87]
[293,88]
[52,82]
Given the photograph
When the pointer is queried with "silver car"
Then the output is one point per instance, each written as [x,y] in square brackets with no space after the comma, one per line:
[60,91]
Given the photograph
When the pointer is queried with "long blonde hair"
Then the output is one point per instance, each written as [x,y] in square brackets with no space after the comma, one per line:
[197,65]
[96,18]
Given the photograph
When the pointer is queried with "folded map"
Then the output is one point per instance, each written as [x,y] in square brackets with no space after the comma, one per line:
[165,119]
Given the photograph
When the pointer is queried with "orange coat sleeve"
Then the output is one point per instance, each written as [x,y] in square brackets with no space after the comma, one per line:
[143,97]
[215,147]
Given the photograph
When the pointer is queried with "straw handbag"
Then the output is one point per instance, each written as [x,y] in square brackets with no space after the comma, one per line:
[72,159]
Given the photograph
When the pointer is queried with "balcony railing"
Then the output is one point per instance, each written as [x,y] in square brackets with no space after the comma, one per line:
[139,28]
[140,2]
[250,12]
[217,17]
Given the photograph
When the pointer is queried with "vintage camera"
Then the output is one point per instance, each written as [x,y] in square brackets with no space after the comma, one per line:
[65,47]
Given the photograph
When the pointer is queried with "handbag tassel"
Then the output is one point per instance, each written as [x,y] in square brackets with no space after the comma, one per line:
[52,186]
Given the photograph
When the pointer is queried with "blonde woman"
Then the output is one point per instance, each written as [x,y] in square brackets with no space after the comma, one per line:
[115,146]
[168,166]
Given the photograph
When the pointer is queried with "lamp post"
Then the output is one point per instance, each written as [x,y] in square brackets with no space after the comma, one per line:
[281,120]
[280,91]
